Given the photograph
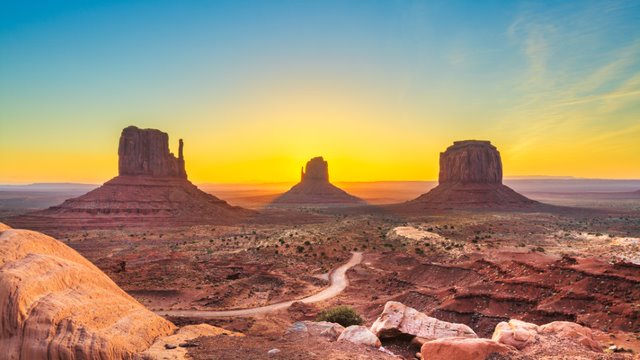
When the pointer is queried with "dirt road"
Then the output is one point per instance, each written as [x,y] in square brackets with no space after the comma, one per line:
[338,282]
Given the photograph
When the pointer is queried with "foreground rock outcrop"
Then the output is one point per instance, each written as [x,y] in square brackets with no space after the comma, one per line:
[397,319]
[151,189]
[315,190]
[461,348]
[57,305]
[523,335]
[470,176]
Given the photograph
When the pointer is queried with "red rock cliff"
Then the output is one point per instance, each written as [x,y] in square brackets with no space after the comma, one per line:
[316,170]
[471,161]
[146,152]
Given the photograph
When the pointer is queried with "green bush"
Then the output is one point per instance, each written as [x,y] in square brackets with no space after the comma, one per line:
[343,315]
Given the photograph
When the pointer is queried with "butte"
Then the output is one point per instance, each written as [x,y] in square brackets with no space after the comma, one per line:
[315,190]
[471,177]
[151,189]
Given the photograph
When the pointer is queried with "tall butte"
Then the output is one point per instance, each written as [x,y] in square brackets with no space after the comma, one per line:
[151,189]
[471,176]
[315,190]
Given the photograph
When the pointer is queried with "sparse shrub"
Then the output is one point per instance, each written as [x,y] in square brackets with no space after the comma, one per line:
[300,249]
[343,315]
[419,251]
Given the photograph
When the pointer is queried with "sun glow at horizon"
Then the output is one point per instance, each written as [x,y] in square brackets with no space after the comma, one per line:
[378,89]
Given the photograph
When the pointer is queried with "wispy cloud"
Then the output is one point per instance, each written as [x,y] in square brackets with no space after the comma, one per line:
[561,92]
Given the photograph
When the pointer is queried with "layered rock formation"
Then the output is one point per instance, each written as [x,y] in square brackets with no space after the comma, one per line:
[146,152]
[397,319]
[55,304]
[471,176]
[470,161]
[315,190]
[317,170]
[151,188]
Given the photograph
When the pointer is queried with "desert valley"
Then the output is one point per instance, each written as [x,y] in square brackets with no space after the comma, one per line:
[328,179]
[469,269]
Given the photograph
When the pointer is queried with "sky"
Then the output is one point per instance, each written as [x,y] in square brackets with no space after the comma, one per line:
[379,88]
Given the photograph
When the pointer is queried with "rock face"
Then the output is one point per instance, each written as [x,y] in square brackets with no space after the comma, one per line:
[151,188]
[317,169]
[465,349]
[146,152]
[315,190]
[397,319]
[57,305]
[470,176]
[470,161]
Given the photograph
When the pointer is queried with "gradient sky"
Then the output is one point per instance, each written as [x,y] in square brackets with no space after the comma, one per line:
[379,88]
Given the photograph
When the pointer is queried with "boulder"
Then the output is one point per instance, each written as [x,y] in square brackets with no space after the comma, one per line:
[317,328]
[573,332]
[515,333]
[55,304]
[397,318]
[526,336]
[460,348]
[359,334]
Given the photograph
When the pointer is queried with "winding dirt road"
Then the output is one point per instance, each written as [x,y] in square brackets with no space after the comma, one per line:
[338,282]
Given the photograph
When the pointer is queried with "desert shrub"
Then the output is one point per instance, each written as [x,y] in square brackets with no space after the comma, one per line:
[343,315]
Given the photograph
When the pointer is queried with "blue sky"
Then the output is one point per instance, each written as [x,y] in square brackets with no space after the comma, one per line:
[248,83]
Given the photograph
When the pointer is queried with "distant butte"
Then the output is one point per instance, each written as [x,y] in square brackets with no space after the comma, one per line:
[151,189]
[146,152]
[315,190]
[471,176]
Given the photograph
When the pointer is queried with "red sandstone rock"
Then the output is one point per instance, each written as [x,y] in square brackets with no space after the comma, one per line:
[461,348]
[531,338]
[146,152]
[55,304]
[573,332]
[317,169]
[470,176]
[516,333]
[471,161]
[314,189]
[397,319]
[152,189]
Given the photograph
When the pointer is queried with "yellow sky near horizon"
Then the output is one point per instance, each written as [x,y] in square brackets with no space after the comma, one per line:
[378,89]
